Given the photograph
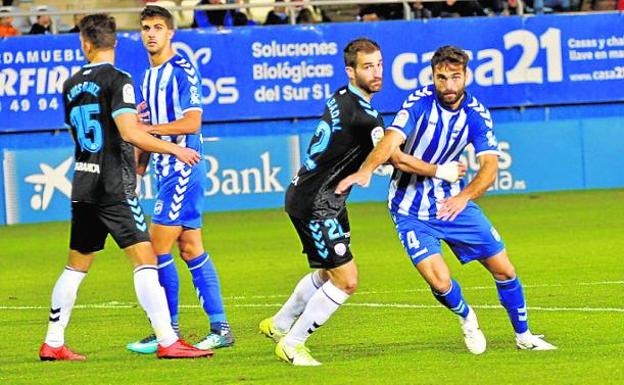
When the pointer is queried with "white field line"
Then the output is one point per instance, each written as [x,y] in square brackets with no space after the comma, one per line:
[128,305]
[490,287]
[120,305]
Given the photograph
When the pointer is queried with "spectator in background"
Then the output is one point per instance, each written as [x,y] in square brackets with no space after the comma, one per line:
[454,8]
[419,11]
[218,18]
[278,15]
[542,6]
[376,12]
[6,26]
[42,26]
[305,16]
[77,18]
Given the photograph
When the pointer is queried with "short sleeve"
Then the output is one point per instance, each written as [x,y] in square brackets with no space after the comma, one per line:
[482,134]
[189,89]
[123,99]
[403,122]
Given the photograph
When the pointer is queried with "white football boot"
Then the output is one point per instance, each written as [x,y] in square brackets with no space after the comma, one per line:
[528,341]
[473,336]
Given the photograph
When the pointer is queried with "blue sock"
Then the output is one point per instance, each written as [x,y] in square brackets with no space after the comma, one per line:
[512,298]
[453,299]
[207,286]
[168,278]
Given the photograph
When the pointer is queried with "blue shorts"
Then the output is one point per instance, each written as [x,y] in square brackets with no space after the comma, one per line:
[471,235]
[180,199]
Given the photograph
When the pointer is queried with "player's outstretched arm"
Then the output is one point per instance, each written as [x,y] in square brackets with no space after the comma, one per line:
[190,123]
[380,154]
[450,172]
[451,207]
[131,133]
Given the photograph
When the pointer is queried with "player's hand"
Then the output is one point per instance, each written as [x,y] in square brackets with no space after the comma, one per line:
[451,171]
[187,156]
[451,208]
[142,112]
[360,178]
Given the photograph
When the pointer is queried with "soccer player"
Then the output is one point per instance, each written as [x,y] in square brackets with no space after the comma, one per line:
[346,133]
[100,111]
[171,91]
[435,124]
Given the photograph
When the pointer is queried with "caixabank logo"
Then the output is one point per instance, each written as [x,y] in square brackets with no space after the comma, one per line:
[37,184]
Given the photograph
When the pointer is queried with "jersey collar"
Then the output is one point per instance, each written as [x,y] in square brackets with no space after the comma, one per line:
[89,65]
[356,91]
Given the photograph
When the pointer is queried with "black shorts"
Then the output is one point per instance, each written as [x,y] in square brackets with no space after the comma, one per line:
[91,223]
[325,241]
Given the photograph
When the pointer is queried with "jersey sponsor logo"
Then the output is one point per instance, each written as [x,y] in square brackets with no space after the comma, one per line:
[128,94]
[340,249]
[401,118]
[46,183]
[158,206]
[377,135]
[87,167]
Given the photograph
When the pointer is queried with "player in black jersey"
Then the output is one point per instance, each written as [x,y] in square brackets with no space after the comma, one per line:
[344,137]
[100,112]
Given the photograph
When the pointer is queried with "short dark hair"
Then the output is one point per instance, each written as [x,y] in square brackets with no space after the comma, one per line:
[449,54]
[99,29]
[157,11]
[362,44]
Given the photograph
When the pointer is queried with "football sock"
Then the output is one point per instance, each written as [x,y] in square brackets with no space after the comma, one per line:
[453,299]
[169,280]
[63,299]
[323,303]
[220,328]
[294,306]
[511,296]
[152,298]
[207,286]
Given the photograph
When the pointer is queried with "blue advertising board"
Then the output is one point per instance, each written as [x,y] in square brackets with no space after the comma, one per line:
[254,172]
[287,71]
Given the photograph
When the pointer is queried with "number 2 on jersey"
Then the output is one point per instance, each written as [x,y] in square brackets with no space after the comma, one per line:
[323,132]
[88,129]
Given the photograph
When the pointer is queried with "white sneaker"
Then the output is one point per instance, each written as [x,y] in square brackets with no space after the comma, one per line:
[299,355]
[528,341]
[473,336]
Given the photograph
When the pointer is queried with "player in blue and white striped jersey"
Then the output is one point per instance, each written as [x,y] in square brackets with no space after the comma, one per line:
[434,125]
[171,104]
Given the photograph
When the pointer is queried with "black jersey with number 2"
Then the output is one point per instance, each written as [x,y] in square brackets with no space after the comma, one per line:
[105,168]
[343,139]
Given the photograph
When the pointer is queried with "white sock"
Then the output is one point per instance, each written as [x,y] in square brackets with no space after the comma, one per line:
[324,302]
[307,286]
[63,299]
[152,299]
[524,336]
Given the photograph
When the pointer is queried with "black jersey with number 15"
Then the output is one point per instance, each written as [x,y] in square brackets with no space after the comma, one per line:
[105,168]
[342,141]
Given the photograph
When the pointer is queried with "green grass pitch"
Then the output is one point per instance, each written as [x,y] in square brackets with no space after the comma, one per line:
[568,249]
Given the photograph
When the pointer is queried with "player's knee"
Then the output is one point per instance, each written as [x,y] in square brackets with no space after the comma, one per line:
[440,285]
[504,274]
[348,285]
[189,250]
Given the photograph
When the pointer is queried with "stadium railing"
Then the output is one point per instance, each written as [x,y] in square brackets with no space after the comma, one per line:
[291,7]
